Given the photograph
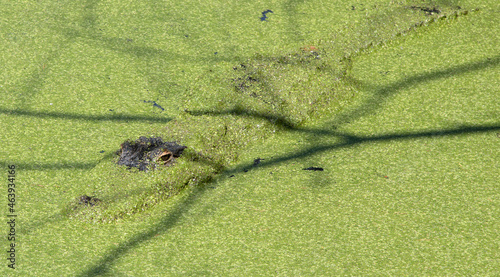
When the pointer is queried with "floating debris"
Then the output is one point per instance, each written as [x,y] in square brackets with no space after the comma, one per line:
[85,200]
[257,161]
[154,104]
[314,168]
[426,10]
[264,16]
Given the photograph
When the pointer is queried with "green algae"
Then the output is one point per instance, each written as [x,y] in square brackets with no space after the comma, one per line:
[97,99]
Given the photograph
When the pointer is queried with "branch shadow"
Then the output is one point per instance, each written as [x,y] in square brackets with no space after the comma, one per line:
[35,165]
[86,29]
[351,140]
[94,118]
[103,265]
[370,106]
[277,120]
[380,96]
[346,140]
[49,166]
[170,221]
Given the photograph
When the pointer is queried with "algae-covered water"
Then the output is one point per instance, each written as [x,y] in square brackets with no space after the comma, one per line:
[395,101]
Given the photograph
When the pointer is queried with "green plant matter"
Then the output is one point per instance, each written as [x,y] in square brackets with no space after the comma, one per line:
[386,97]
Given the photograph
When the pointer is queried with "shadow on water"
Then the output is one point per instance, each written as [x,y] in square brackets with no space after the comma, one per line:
[170,221]
[350,140]
[380,95]
[51,166]
[277,120]
[346,140]
[69,164]
[87,30]
[84,117]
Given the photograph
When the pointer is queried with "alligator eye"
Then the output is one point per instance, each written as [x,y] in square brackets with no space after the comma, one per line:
[165,156]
